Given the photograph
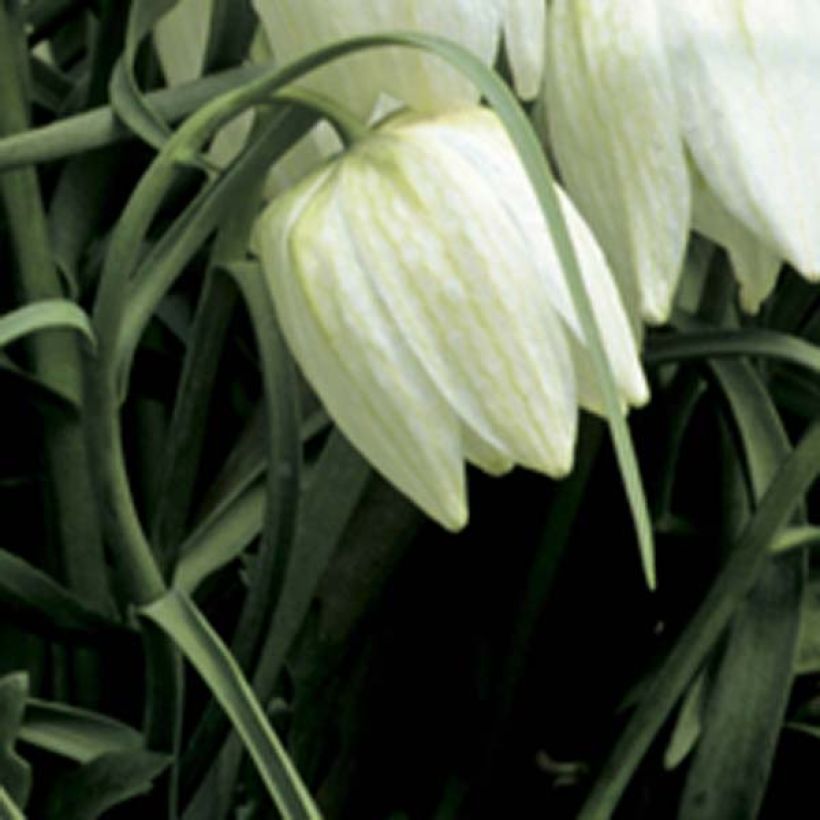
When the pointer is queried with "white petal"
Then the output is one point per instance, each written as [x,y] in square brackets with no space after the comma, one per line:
[354,356]
[614,129]
[479,138]
[755,265]
[181,38]
[456,275]
[524,37]
[421,80]
[746,74]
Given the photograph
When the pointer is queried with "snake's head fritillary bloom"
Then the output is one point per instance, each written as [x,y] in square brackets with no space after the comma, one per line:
[613,126]
[419,80]
[418,288]
[634,87]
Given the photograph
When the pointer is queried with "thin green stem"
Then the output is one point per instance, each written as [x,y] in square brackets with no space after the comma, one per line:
[55,355]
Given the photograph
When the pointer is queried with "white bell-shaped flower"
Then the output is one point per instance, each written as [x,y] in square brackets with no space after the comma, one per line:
[747,75]
[418,288]
[633,85]
[613,126]
[415,78]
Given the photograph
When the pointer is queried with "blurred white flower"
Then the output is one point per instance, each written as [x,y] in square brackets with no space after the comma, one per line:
[420,80]
[632,85]
[419,289]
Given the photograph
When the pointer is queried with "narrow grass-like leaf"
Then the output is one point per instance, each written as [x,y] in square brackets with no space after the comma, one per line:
[88,792]
[792,481]
[76,734]
[167,259]
[177,615]
[747,702]
[338,484]
[221,538]
[47,314]
[701,344]
[100,126]
[127,99]
[15,773]
[795,538]
[43,604]
[8,809]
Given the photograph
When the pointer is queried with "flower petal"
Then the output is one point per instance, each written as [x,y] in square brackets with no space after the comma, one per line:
[478,137]
[421,80]
[462,286]
[756,267]
[614,128]
[746,76]
[354,355]
[525,41]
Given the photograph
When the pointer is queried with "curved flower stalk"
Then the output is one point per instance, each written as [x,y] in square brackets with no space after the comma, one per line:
[422,81]
[631,85]
[418,288]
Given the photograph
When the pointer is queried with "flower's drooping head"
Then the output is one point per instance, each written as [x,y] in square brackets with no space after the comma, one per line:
[418,288]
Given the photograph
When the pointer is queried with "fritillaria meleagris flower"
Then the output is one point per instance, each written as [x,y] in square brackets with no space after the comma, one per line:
[634,88]
[415,78]
[418,288]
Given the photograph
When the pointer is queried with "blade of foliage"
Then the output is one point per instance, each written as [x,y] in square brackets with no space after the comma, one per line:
[8,809]
[284,464]
[15,773]
[47,314]
[73,733]
[100,126]
[767,344]
[187,431]
[169,256]
[94,788]
[177,615]
[42,603]
[747,701]
[127,99]
[329,500]
[792,480]
[794,538]
[222,537]
[74,537]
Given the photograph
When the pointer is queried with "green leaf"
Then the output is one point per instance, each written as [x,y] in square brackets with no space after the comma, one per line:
[177,615]
[46,314]
[222,537]
[705,344]
[783,495]
[89,791]
[45,605]
[15,773]
[330,498]
[73,733]
[8,808]
[127,99]
[167,259]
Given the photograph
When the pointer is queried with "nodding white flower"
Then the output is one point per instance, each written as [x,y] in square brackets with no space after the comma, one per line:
[614,127]
[633,85]
[418,288]
[418,79]
[746,74]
